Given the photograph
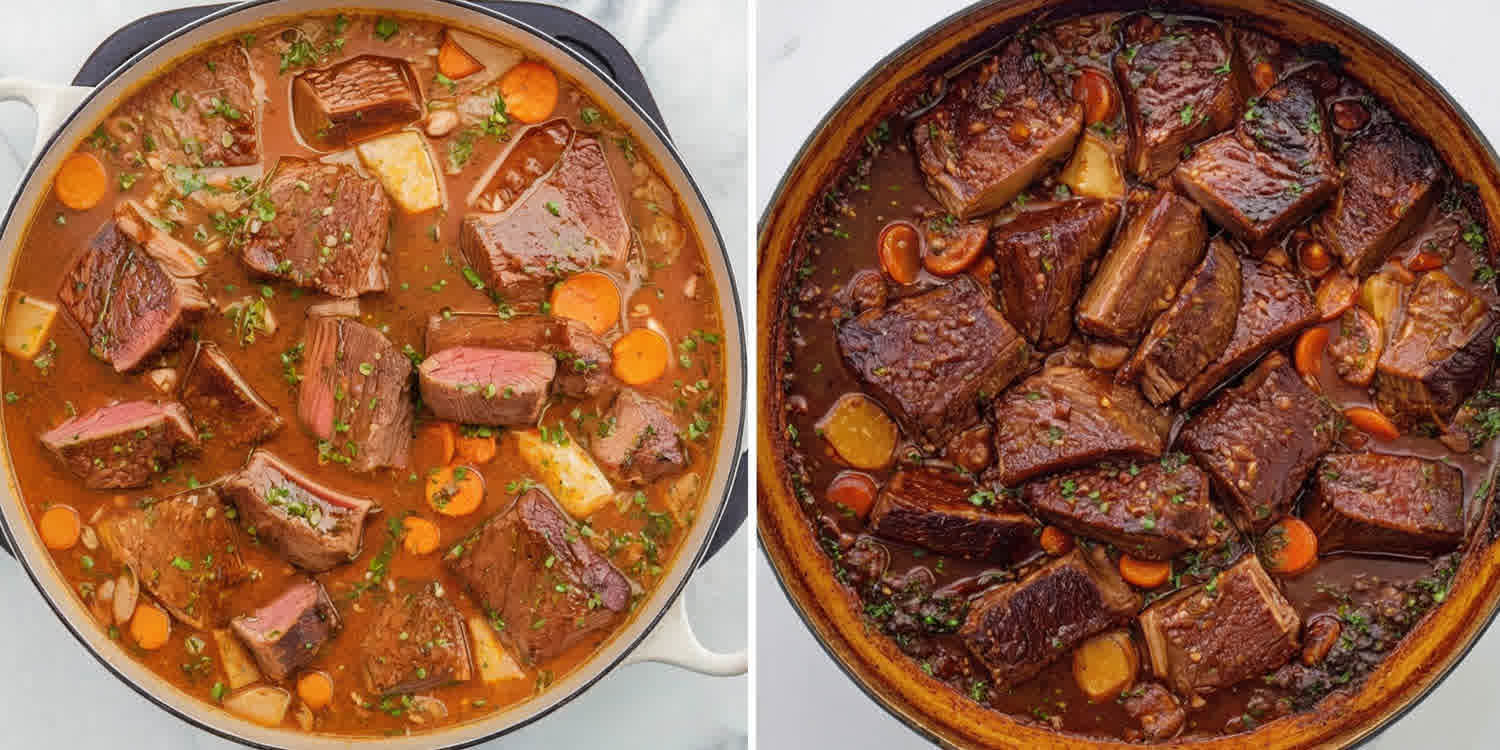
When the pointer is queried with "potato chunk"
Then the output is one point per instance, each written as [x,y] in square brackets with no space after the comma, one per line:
[404,166]
[28,320]
[494,662]
[567,471]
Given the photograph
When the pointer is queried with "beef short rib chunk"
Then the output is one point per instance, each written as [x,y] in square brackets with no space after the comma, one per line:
[1017,629]
[1174,93]
[222,403]
[1438,355]
[572,221]
[1212,635]
[355,394]
[529,569]
[416,641]
[1272,171]
[202,112]
[583,360]
[123,444]
[313,526]
[355,100]
[1383,504]
[287,633]
[1193,332]
[182,549]
[1141,273]
[929,358]
[1000,124]
[1274,307]
[1066,417]
[128,304]
[1390,180]
[1154,510]
[1041,259]
[530,157]
[325,228]
[474,385]
[639,441]
[1260,439]
[1157,711]
[1356,346]
[937,510]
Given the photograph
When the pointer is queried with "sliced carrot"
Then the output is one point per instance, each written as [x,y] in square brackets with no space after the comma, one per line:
[150,626]
[81,181]
[1146,574]
[454,62]
[983,270]
[1314,258]
[530,91]
[455,490]
[640,356]
[315,689]
[852,490]
[1308,354]
[1096,93]
[900,251]
[1424,261]
[476,449]
[60,527]
[435,445]
[1263,75]
[1055,541]
[1336,294]
[1290,546]
[590,298]
[1372,422]
[422,536]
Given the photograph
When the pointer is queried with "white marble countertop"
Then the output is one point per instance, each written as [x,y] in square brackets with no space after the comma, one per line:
[807,55]
[58,696]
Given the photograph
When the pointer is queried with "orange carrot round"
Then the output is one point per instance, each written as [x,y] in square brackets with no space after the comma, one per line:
[1055,541]
[1146,574]
[60,527]
[852,490]
[315,689]
[1372,422]
[475,449]
[1290,547]
[422,536]
[1308,354]
[1424,261]
[1335,295]
[150,626]
[900,251]
[530,91]
[640,356]
[455,490]
[435,445]
[590,298]
[81,181]
[454,62]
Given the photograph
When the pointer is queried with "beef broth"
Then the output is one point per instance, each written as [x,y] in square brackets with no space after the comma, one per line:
[1167,445]
[234,367]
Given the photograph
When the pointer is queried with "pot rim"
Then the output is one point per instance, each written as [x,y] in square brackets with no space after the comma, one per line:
[773,465]
[736,370]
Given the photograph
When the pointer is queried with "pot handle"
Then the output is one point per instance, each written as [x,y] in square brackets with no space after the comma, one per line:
[673,642]
[52,104]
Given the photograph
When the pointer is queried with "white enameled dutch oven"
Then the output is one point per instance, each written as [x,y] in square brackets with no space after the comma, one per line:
[659,631]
